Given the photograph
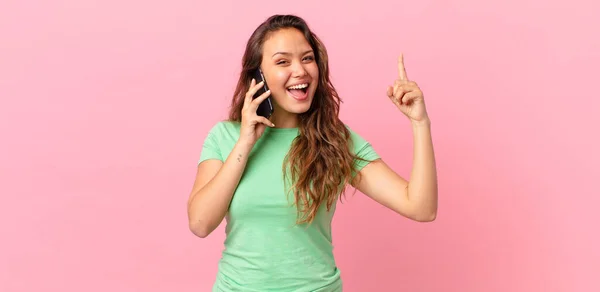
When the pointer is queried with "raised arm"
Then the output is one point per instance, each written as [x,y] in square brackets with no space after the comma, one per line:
[216,181]
[416,198]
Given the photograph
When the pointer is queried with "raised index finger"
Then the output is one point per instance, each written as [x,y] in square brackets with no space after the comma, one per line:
[401,70]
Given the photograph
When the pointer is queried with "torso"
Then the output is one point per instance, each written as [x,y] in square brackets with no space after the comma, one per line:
[265,250]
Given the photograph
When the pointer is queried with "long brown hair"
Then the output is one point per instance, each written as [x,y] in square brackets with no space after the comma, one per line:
[320,163]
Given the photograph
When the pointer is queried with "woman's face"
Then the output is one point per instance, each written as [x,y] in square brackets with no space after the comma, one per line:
[290,70]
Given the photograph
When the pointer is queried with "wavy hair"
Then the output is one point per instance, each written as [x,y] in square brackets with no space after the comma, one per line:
[319,163]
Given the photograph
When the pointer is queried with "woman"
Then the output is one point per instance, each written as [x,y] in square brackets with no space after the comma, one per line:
[276,180]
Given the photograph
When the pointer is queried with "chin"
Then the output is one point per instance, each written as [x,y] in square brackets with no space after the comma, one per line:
[296,105]
[298,109]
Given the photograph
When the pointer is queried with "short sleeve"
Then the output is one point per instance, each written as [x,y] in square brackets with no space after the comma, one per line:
[211,148]
[363,150]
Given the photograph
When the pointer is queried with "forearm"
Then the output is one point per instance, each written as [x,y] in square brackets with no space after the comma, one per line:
[208,206]
[422,186]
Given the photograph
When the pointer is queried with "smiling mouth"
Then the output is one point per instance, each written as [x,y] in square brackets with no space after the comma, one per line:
[300,87]
[298,91]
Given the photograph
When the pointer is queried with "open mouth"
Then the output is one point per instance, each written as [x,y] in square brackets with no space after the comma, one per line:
[298,91]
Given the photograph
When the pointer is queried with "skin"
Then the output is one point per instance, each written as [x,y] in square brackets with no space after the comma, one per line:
[417,198]
[215,182]
[288,59]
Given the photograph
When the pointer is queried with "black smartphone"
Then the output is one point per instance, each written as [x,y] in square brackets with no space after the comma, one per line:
[265,108]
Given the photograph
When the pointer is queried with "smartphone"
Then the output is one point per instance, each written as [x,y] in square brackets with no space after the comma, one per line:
[265,108]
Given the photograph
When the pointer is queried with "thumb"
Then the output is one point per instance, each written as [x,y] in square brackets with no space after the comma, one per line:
[390,91]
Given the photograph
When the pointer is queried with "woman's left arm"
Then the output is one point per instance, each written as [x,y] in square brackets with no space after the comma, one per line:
[416,198]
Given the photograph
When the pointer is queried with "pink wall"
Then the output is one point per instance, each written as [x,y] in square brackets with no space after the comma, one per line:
[104,106]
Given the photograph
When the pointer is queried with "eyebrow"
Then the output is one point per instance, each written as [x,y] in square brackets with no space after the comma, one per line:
[286,53]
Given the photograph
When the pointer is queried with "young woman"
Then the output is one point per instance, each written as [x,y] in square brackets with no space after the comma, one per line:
[277,180]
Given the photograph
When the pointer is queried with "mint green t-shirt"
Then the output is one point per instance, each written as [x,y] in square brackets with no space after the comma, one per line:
[264,248]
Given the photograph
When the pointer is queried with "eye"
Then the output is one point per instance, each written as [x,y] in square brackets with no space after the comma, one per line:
[281,62]
[309,58]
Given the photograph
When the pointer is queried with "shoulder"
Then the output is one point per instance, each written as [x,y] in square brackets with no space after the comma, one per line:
[223,133]
[219,141]
[362,149]
[224,129]
[359,145]
[355,139]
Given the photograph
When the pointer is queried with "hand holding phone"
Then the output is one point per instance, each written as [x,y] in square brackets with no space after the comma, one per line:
[253,125]
[265,109]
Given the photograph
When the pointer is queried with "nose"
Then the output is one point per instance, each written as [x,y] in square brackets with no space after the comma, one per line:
[298,69]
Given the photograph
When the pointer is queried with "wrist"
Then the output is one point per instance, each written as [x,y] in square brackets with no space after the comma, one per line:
[244,145]
[425,122]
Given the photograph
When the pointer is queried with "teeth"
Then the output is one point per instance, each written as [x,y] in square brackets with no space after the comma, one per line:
[299,86]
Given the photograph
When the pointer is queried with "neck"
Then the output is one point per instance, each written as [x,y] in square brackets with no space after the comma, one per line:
[283,119]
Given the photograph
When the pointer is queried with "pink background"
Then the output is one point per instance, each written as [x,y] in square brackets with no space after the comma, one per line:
[104,106]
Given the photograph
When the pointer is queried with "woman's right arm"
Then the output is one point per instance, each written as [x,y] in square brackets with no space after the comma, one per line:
[216,181]
[213,190]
